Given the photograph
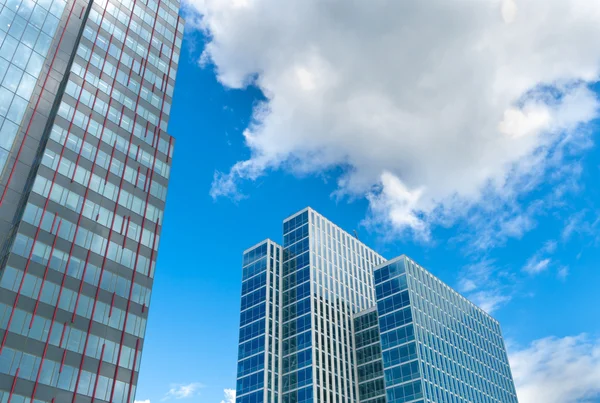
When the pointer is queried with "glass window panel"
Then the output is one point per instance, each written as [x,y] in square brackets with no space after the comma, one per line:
[26,8]
[45,3]
[12,78]
[13,4]
[22,56]
[17,109]
[26,87]
[30,35]
[50,25]
[35,64]
[17,27]
[8,47]
[43,44]
[3,68]
[3,158]
[7,135]
[6,17]
[6,98]
[38,16]
[57,7]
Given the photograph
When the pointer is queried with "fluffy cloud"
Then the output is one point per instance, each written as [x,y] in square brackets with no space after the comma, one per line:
[142,401]
[558,370]
[430,108]
[229,396]
[181,391]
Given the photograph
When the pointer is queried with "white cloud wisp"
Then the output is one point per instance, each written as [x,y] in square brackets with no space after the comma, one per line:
[180,391]
[430,107]
[558,370]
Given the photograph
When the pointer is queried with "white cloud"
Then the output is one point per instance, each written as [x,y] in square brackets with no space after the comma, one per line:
[229,396]
[142,401]
[540,261]
[180,391]
[558,370]
[535,266]
[481,283]
[430,107]
[563,273]
[489,301]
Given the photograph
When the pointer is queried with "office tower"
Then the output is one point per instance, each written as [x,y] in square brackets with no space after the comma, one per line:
[436,345]
[260,324]
[326,278]
[85,98]
[357,328]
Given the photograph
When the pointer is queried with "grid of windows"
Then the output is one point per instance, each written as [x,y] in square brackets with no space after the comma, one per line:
[463,357]
[78,265]
[297,371]
[343,286]
[369,364]
[355,328]
[400,362]
[260,325]
[26,32]
[437,346]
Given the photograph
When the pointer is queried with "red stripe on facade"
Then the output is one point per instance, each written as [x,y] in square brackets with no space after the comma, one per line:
[87,260]
[97,375]
[37,232]
[12,171]
[14,384]
[112,304]
[135,354]
[62,362]
[47,269]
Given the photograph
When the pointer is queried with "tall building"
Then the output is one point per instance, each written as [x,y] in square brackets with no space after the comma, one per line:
[85,98]
[260,322]
[436,345]
[353,327]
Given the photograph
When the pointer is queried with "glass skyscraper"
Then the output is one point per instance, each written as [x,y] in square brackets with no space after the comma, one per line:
[85,96]
[437,346]
[353,327]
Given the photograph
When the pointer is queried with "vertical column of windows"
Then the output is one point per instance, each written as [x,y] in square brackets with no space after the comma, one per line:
[369,364]
[255,335]
[297,333]
[151,174]
[402,369]
[464,358]
[342,288]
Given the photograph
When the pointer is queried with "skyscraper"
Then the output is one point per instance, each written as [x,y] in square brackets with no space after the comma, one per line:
[260,322]
[85,98]
[356,328]
[436,345]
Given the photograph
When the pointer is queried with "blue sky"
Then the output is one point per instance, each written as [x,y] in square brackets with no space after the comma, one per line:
[506,212]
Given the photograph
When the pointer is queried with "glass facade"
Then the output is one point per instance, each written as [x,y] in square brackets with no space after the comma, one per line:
[26,32]
[437,346]
[369,364]
[260,325]
[355,328]
[86,92]
[326,280]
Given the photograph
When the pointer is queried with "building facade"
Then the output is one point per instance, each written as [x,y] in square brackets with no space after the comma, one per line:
[85,98]
[437,346]
[357,328]
[259,357]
